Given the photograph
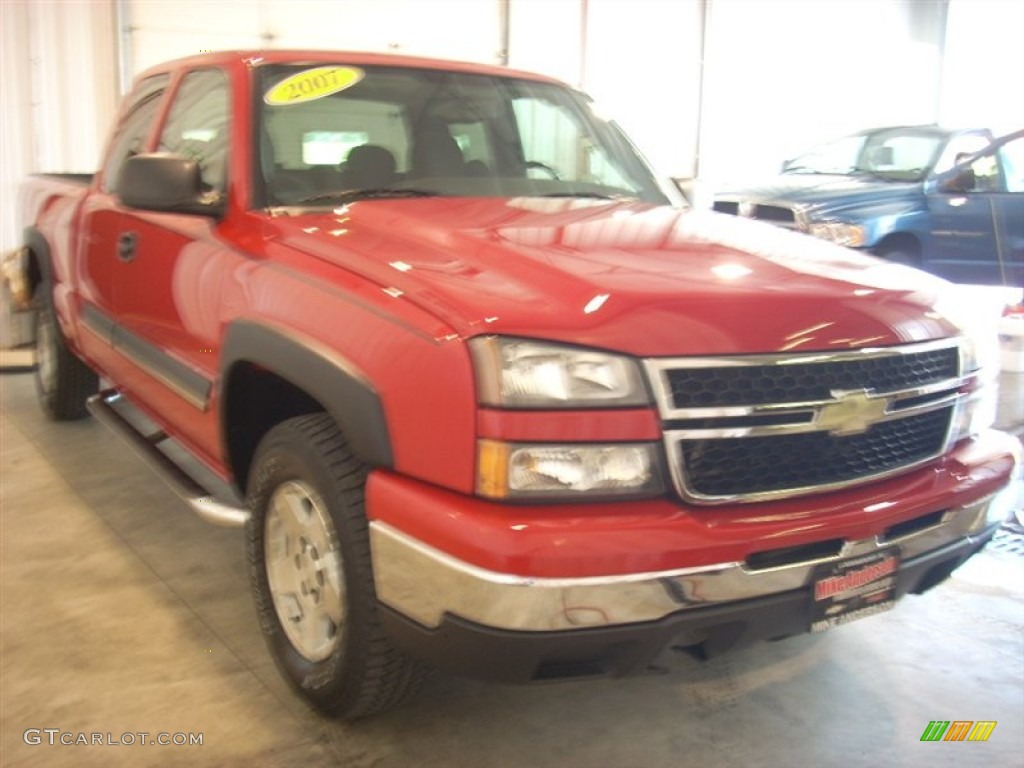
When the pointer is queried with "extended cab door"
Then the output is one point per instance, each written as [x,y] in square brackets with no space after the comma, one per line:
[974,219]
[173,269]
[1009,209]
[101,223]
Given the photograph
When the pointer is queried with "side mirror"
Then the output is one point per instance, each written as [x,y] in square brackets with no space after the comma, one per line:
[164,182]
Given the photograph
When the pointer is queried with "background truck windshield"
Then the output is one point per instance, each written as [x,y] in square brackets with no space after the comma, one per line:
[898,154]
[329,132]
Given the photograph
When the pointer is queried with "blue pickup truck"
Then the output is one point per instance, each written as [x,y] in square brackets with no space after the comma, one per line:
[949,202]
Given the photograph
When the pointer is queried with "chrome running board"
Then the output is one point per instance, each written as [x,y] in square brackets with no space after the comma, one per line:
[195,496]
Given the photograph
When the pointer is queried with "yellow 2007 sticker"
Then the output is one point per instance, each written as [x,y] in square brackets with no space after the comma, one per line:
[312,84]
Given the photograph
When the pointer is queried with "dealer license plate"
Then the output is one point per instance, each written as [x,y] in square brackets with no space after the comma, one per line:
[854,589]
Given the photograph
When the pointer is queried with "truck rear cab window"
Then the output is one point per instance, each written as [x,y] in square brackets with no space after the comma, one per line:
[134,128]
[198,125]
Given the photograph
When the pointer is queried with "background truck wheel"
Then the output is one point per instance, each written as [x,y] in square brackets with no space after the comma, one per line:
[63,381]
[901,254]
[309,562]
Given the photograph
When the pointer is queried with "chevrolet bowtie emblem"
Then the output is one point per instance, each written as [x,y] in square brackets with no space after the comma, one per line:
[852,412]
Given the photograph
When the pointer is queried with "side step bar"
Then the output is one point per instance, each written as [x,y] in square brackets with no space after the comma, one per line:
[198,499]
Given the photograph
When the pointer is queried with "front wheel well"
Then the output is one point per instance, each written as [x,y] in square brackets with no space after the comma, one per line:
[255,401]
[901,248]
[37,267]
[33,271]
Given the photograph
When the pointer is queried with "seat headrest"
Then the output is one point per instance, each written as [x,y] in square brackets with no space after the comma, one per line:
[435,152]
[368,166]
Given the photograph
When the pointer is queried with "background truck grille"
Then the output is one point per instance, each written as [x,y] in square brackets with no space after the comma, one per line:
[772,426]
[777,214]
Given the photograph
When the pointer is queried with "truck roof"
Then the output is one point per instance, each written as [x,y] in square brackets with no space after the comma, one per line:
[256,57]
[924,128]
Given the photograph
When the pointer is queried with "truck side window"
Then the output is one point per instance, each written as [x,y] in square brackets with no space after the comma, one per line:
[134,127]
[1012,156]
[985,171]
[958,148]
[197,126]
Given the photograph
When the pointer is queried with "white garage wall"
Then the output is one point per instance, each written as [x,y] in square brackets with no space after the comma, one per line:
[160,30]
[983,72]
[547,36]
[786,74]
[467,30]
[643,64]
[640,59]
[58,92]
[16,146]
[777,75]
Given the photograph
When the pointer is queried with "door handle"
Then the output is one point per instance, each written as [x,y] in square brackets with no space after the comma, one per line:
[126,244]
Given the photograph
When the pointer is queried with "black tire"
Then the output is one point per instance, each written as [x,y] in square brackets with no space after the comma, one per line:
[63,382]
[901,255]
[333,650]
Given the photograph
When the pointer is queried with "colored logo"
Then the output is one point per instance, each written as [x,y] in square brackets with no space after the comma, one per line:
[852,412]
[311,84]
[958,730]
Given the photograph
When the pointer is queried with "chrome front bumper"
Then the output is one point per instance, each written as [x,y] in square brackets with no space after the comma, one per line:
[428,586]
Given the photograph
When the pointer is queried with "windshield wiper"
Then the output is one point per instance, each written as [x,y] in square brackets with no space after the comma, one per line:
[875,174]
[591,195]
[372,193]
[803,169]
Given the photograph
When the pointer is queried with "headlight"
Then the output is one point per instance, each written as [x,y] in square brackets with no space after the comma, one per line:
[516,373]
[548,471]
[979,355]
[979,352]
[840,233]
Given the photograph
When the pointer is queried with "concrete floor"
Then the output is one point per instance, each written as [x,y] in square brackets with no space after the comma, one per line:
[122,613]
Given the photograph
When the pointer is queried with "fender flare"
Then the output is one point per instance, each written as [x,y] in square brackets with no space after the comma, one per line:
[343,390]
[38,245]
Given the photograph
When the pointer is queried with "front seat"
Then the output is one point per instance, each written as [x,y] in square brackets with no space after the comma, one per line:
[435,152]
[369,166]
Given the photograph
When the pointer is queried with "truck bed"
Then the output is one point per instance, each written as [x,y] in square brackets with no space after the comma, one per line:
[41,190]
[82,179]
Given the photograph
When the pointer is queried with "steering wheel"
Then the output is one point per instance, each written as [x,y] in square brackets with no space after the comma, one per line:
[543,167]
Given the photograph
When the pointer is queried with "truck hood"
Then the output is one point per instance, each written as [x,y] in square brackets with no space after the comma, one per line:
[831,191]
[632,277]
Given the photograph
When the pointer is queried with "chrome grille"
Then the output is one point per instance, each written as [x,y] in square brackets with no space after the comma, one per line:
[776,214]
[757,427]
[798,382]
[731,467]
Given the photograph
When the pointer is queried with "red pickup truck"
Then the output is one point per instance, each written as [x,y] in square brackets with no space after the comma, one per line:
[494,399]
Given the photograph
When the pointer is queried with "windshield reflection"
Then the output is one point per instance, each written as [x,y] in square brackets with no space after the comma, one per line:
[331,133]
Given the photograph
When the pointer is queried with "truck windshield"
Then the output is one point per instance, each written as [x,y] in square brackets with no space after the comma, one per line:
[331,133]
[895,154]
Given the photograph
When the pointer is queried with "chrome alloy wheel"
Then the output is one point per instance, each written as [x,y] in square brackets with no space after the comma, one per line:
[304,570]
